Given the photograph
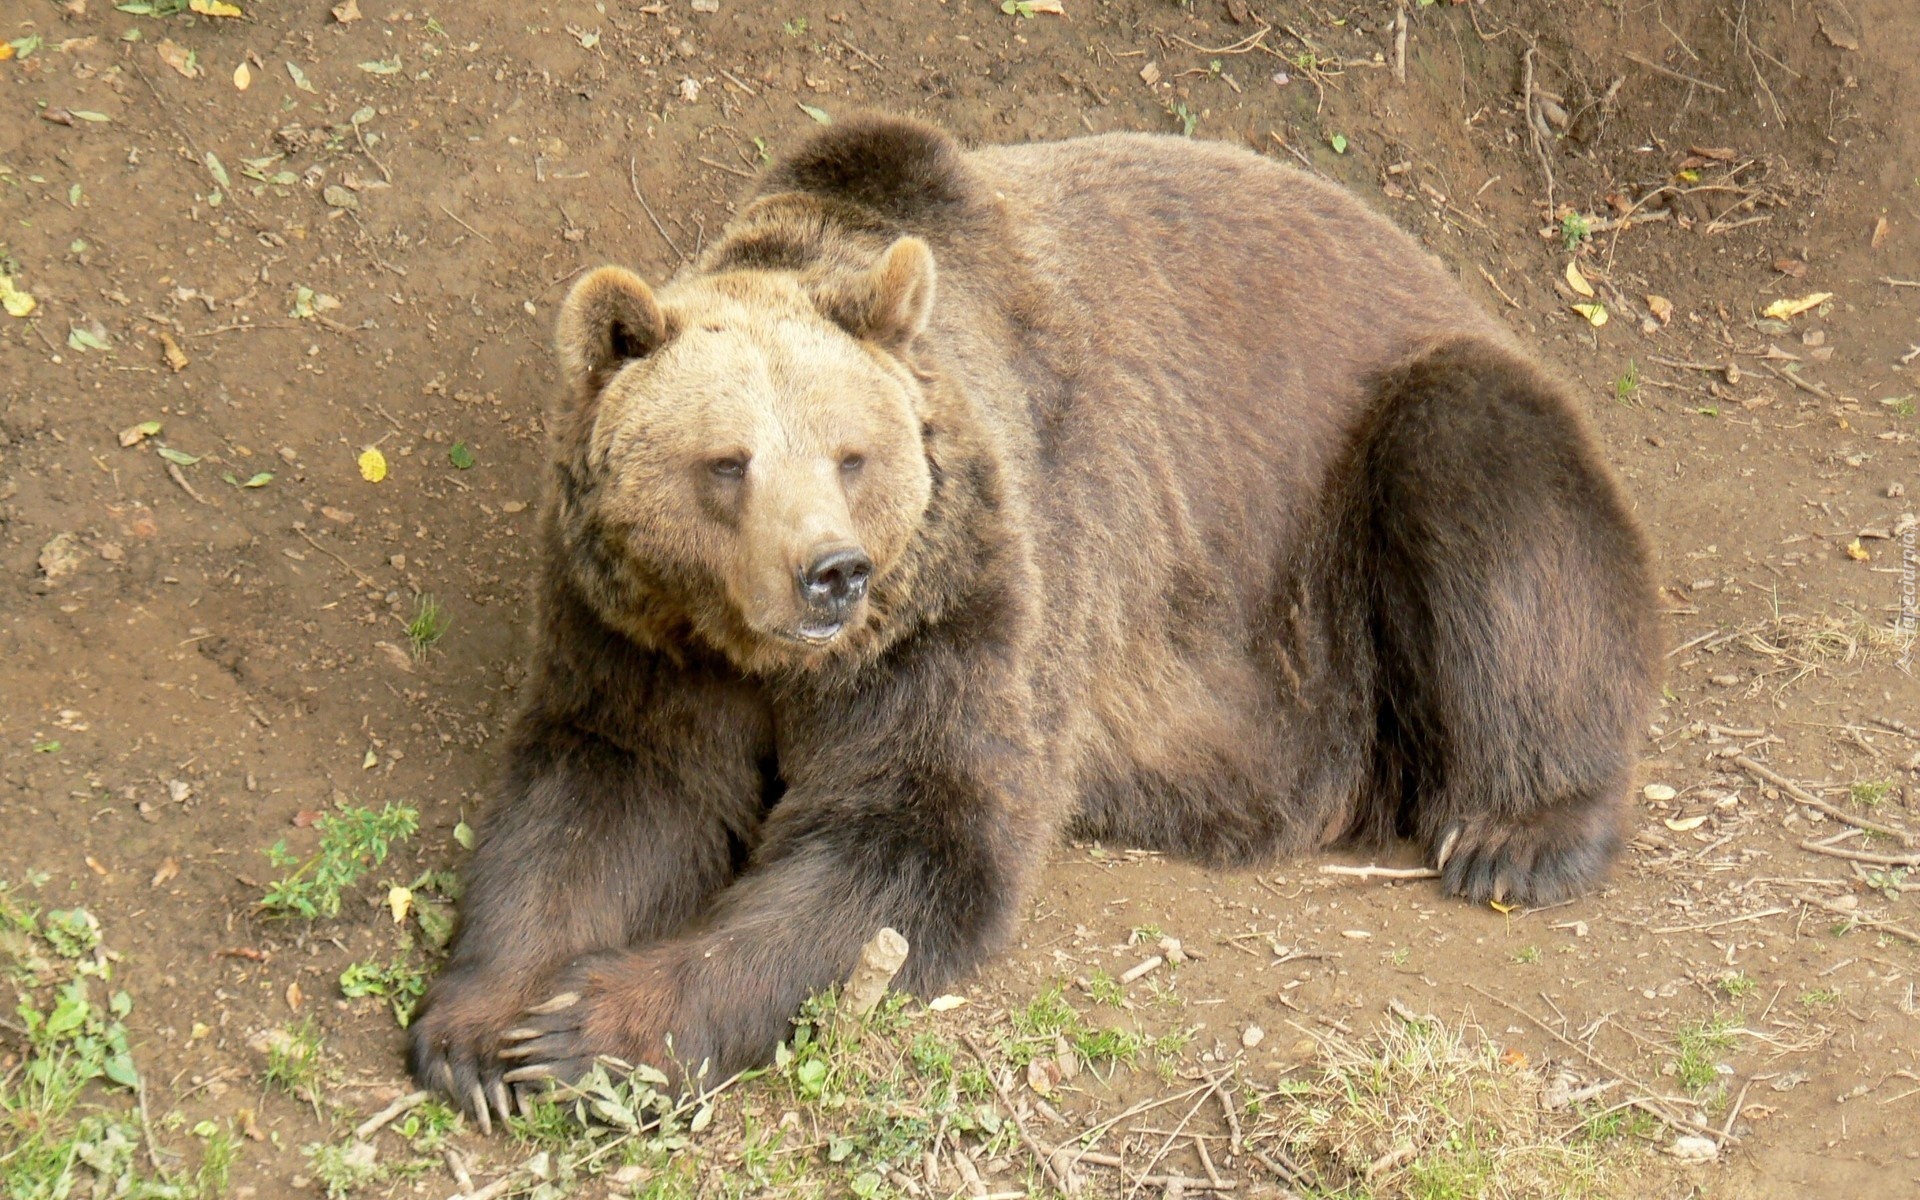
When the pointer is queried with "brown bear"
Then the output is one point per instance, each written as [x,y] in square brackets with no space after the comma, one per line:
[1127,488]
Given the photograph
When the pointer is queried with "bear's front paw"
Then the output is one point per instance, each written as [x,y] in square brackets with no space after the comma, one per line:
[454,1040]
[1537,861]
[617,1007]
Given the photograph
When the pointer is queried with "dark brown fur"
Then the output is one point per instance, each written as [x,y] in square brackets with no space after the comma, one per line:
[1248,532]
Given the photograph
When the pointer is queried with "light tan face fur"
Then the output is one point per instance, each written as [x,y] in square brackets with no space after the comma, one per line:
[751,438]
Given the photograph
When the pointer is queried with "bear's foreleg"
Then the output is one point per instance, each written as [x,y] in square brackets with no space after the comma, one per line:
[593,846]
[908,808]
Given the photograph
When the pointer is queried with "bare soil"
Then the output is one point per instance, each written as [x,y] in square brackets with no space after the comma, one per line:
[190,668]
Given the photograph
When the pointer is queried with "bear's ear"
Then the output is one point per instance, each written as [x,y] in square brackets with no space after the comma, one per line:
[609,318]
[900,294]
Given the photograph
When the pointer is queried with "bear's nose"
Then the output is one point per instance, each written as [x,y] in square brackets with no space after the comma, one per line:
[836,579]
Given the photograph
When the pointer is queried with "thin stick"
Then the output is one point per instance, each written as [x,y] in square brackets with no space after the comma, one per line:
[1670,73]
[380,1120]
[1892,282]
[1755,916]
[1013,1112]
[1488,275]
[1810,388]
[1857,919]
[880,960]
[173,469]
[1236,1140]
[1883,860]
[720,166]
[740,83]
[1803,796]
[1400,46]
[862,53]
[1533,131]
[365,579]
[366,150]
[462,224]
[1648,1104]
[1371,872]
[459,1169]
[633,180]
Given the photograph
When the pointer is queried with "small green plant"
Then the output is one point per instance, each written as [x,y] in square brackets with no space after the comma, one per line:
[1575,229]
[1697,1043]
[400,983]
[795,28]
[343,1168]
[428,626]
[1899,406]
[295,1056]
[1527,955]
[1819,998]
[1870,793]
[1627,386]
[1105,989]
[1737,985]
[461,456]
[1017,8]
[1339,143]
[1189,120]
[352,842]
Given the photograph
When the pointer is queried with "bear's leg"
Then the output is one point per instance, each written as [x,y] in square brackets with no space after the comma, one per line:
[592,846]
[911,804]
[1513,620]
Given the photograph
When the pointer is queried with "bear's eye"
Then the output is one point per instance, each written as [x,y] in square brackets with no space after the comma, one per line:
[731,467]
[853,462]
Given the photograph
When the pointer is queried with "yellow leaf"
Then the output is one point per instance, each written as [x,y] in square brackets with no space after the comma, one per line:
[399,902]
[16,302]
[1685,824]
[1596,314]
[1577,281]
[1783,310]
[1498,907]
[1857,552]
[6,51]
[242,77]
[945,1003]
[373,465]
[1661,308]
[1517,1059]
[215,8]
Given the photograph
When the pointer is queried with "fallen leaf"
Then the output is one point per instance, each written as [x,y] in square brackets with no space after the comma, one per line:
[6,51]
[371,761]
[295,997]
[215,8]
[382,66]
[181,59]
[305,818]
[819,114]
[1857,552]
[1661,308]
[1838,24]
[946,1003]
[17,303]
[1498,907]
[1659,793]
[373,465]
[460,456]
[347,13]
[1051,7]
[168,869]
[1879,233]
[1596,314]
[1685,824]
[179,458]
[1577,281]
[242,77]
[397,658]
[1517,1059]
[299,77]
[1150,74]
[1784,309]
[171,351]
[399,902]
[1794,267]
[1038,1078]
[133,435]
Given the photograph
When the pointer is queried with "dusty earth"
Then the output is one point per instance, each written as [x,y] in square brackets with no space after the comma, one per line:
[364,246]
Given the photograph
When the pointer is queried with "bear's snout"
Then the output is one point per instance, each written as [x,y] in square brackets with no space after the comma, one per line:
[832,584]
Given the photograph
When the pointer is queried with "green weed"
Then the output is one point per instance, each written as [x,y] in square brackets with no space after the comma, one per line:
[352,842]
[1697,1044]
[427,626]
[400,983]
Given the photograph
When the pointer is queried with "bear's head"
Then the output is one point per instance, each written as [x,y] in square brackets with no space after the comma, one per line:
[741,457]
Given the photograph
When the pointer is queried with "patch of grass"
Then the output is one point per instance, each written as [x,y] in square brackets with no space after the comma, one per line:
[1737,985]
[70,1123]
[1105,989]
[296,1059]
[1463,1123]
[352,842]
[1870,793]
[1527,955]
[427,626]
[341,1169]
[1819,998]
[797,27]
[1627,386]
[1189,120]
[1697,1044]
[1574,229]
[400,983]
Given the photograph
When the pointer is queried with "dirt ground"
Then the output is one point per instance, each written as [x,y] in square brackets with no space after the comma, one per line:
[286,238]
